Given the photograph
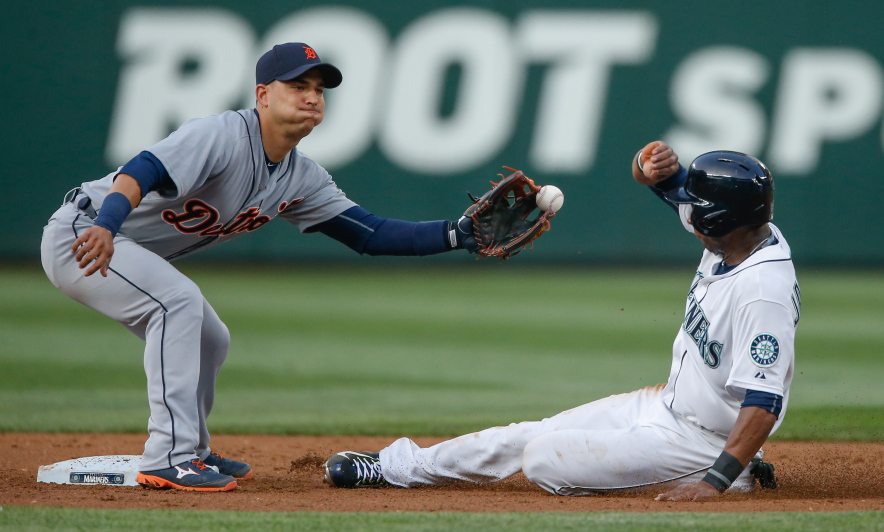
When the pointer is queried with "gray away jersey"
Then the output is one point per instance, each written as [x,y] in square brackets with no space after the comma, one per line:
[223,188]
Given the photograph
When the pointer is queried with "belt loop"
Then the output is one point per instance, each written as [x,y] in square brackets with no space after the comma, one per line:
[73,193]
[85,203]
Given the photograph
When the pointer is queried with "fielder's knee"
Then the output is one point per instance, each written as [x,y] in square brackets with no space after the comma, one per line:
[222,338]
[215,338]
[186,300]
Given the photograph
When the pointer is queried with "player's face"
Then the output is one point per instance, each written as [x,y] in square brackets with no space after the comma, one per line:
[297,105]
[712,244]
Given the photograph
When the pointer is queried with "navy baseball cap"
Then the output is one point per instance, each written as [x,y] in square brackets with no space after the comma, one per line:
[287,61]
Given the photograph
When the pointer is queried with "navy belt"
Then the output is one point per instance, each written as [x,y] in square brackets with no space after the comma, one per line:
[81,200]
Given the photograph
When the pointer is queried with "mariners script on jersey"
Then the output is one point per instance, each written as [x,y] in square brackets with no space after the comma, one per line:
[738,334]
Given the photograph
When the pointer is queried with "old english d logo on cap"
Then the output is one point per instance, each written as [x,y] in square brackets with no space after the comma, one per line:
[287,61]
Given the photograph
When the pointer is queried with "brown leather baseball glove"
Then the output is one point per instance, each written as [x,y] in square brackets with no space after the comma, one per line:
[500,218]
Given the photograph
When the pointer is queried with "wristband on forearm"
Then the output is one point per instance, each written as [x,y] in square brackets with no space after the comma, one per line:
[451,235]
[723,472]
[638,161]
[460,235]
[114,210]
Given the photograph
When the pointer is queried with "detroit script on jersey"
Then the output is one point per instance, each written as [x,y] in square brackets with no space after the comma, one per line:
[201,218]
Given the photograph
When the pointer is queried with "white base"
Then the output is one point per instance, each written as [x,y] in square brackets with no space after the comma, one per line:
[114,470]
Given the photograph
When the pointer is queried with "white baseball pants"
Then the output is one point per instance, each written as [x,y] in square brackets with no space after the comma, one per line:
[630,441]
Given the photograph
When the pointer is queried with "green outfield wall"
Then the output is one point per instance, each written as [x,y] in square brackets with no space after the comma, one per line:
[438,95]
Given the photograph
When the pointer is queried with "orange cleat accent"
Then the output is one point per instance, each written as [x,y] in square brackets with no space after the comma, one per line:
[161,483]
[194,475]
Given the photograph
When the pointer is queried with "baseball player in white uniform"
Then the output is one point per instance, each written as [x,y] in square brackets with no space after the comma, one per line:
[732,363]
[214,179]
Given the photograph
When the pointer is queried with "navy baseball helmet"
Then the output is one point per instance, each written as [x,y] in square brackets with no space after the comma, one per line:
[728,190]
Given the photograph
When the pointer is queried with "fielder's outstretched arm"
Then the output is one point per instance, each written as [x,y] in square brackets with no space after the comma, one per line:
[364,232]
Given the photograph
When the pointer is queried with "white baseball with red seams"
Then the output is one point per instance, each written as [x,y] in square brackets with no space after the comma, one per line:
[549,198]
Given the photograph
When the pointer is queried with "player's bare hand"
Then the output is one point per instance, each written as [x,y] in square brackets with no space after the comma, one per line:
[95,246]
[688,492]
[659,161]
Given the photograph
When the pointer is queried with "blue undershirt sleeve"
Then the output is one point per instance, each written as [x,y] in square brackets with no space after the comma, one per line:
[149,172]
[672,182]
[771,402]
[366,233]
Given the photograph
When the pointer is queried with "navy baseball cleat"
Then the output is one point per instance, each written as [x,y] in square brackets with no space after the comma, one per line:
[193,476]
[226,466]
[350,469]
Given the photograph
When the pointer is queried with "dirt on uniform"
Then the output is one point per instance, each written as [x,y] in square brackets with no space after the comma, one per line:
[288,472]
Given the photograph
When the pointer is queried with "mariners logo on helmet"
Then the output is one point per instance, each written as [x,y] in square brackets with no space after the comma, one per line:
[765,350]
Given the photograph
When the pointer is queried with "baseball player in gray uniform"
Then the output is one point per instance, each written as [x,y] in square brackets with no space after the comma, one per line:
[728,389]
[212,180]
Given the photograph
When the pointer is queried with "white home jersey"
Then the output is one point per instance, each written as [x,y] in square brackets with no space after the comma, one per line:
[738,334]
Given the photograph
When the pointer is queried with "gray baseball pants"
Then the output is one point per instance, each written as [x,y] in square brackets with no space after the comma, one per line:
[185,341]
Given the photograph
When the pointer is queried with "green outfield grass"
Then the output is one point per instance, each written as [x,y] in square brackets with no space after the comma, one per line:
[423,351]
[63,519]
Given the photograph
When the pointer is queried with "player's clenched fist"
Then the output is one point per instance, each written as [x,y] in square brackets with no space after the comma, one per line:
[95,245]
[654,163]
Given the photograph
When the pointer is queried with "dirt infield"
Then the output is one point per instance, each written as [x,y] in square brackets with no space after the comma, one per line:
[288,477]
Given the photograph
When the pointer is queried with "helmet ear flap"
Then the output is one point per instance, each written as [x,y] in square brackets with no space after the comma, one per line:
[710,224]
